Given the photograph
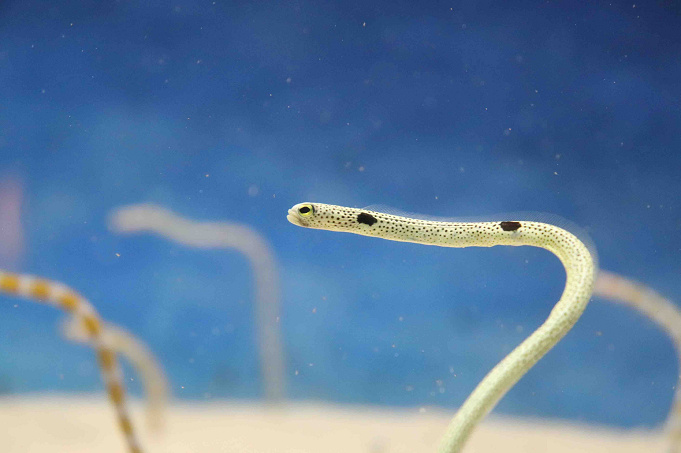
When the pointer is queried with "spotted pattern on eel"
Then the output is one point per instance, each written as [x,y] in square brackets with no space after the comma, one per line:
[580,267]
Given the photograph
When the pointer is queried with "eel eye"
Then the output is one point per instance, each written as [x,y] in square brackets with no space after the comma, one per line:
[306,210]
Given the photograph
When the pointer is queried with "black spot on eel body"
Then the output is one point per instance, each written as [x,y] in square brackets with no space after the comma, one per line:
[509,226]
[366,218]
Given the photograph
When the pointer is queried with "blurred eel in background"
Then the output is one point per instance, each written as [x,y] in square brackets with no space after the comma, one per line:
[150,218]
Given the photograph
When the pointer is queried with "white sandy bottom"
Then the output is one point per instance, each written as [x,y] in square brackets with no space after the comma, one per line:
[75,425]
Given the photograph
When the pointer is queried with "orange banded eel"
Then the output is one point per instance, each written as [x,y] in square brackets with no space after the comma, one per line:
[139,356]
[63,297]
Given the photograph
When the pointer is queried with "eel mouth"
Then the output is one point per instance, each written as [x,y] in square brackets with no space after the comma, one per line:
[294,217]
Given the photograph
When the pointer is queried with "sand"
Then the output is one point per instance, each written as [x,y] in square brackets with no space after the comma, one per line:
[86,424]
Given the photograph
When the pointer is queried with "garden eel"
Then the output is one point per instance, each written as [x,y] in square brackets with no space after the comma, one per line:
[139,356]
[580,268]
[149,218]
[63,297]
[666,314]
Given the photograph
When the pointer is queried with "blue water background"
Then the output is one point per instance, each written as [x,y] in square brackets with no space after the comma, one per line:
[238,110]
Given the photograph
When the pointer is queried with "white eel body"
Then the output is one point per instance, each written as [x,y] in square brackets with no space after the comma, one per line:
[580,268]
